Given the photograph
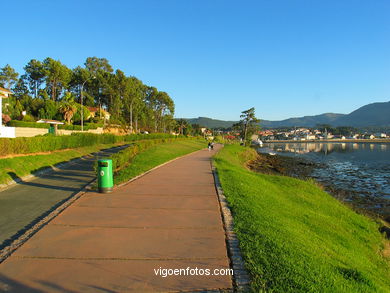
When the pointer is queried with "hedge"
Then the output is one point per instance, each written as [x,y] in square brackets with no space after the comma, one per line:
[87,126]
[45,143]
[17,123]
[124,157]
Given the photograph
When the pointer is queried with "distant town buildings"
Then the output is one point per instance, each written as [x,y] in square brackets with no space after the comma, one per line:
[306,134]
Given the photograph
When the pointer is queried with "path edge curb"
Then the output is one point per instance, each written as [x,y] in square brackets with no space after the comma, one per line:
[241,277]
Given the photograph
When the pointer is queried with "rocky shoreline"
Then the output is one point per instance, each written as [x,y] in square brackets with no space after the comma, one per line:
[302,169]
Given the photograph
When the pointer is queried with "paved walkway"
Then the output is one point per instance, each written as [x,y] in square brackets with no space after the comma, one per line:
[25,203]
[168,219]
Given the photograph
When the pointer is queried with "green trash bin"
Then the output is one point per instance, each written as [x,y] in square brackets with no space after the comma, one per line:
[52,129]
[105,176]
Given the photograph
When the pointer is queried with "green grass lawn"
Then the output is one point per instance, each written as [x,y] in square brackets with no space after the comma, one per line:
[25,165]
[297,238]
[156,155]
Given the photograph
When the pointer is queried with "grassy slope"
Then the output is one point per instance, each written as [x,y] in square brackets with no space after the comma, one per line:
[26,165]
[157,155]
[297,238]
[146,160]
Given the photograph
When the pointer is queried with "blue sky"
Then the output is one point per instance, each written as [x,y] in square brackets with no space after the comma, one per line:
[217,58]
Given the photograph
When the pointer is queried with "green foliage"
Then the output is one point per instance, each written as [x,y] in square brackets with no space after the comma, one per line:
[31,124]
[296,237]
[57,76]
[17,123]
[132,104]
[8,76]
[49,110]
[339,130]
[147,156]
[25,165]
[28,118]
[124,157]
[35,75]
[27,145]
[248,125]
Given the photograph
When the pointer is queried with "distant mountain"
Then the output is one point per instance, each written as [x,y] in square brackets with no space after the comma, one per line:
[306,121]
[211,123]
[375,114]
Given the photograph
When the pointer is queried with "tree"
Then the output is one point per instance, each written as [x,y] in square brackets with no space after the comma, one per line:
[57,76]
[35,75]
[95,64]
[49,110]
[102,70]
[248,123]
[68,107]
[8,77]
[56,89]
[165,110]
[20,89]
[197,129]
[131,95]
[181,126]
[77,114]
[161,105]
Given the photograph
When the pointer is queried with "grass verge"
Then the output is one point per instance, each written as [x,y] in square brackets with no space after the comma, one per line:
[156,155]
[297,238]
[25,165]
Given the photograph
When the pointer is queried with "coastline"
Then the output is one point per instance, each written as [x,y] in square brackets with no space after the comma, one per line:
[377,140]
[302,169]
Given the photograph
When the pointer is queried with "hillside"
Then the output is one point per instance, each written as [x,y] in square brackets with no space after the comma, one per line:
[211,123]
[306,121]
[375,114]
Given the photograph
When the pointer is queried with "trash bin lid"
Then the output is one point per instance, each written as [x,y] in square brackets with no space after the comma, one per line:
[104,163]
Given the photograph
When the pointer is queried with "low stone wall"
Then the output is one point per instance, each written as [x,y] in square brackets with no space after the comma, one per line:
[29,131]
[99,130]
[116,131]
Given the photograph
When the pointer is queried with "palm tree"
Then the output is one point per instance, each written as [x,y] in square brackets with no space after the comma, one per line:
[68,107]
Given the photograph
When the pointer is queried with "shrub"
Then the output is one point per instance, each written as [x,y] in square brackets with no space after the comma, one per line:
[124,157]
[17,123]
[87,126]
[28,118]
[5,118]
[27,145]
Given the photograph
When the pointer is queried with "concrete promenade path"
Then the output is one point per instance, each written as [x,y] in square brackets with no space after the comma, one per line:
[167,219]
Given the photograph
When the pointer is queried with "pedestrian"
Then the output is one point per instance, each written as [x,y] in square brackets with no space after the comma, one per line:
[209,146]
[212,146]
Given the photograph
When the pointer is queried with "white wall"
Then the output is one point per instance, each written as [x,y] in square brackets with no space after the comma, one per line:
[7,132]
